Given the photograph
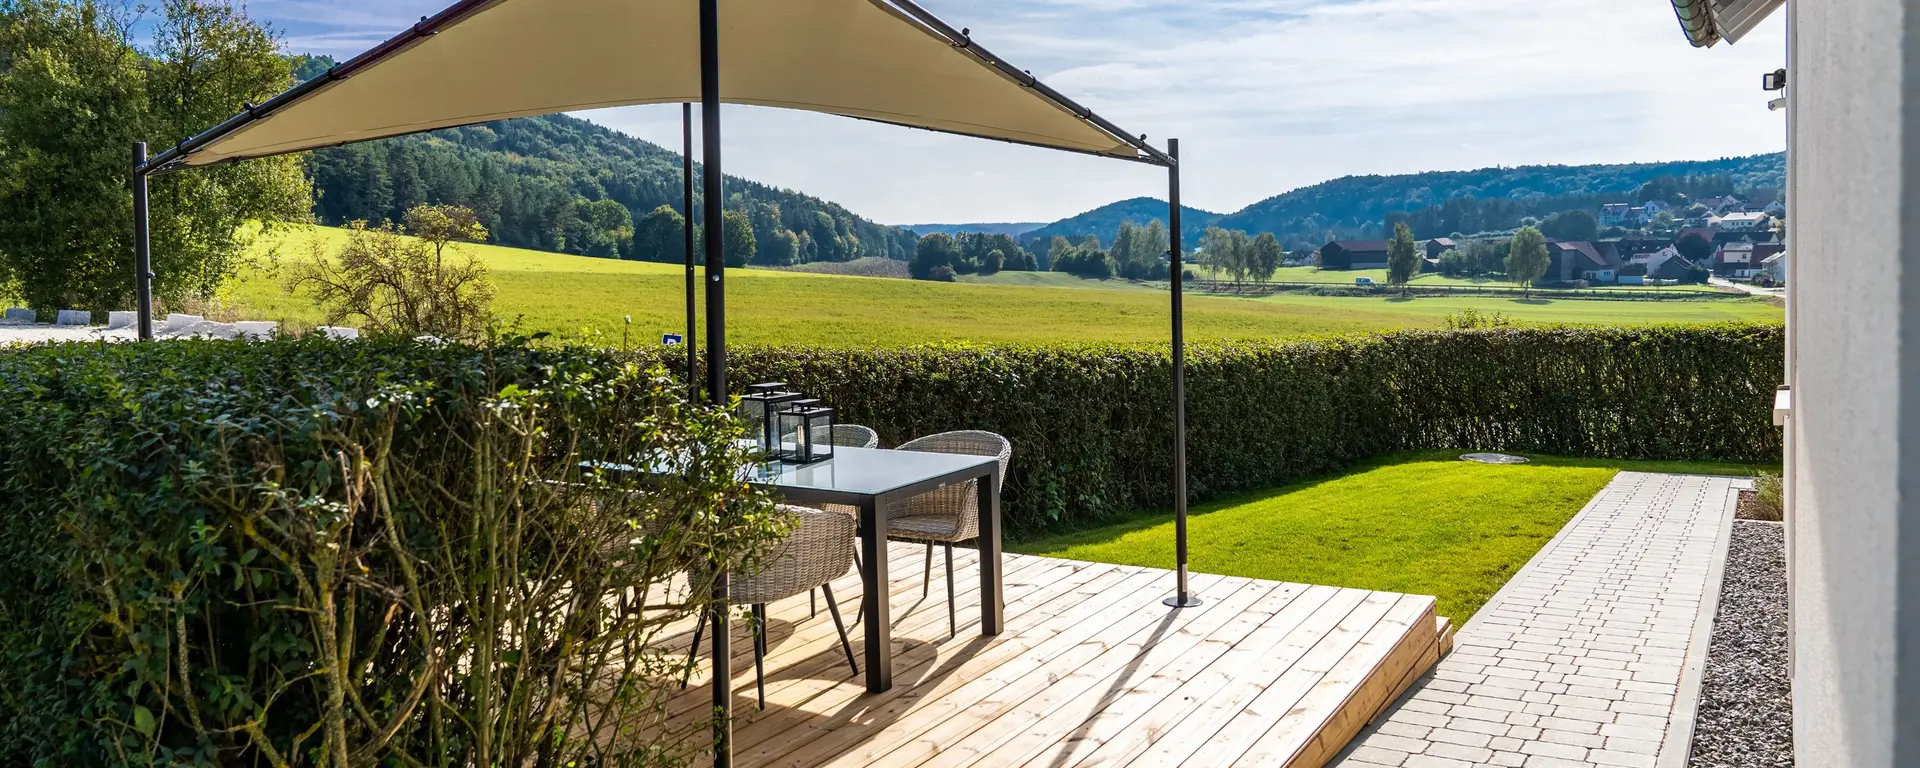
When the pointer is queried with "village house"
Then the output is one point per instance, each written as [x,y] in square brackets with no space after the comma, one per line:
[1622,215]
[1756,221]
[1579,260]
[1664,265]
[1743,260]
[1354,254]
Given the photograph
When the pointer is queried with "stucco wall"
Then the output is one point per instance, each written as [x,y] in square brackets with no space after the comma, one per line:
[1856,348]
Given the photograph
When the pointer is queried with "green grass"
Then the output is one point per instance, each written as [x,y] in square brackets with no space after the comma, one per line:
[1421,523]
[570,294]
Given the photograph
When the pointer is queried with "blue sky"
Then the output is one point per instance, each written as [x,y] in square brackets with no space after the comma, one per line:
[1265,95]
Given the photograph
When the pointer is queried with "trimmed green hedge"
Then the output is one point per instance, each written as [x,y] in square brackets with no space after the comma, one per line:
[370,553]
[1091,426]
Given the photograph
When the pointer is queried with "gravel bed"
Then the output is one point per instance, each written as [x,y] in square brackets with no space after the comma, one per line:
[1745,717]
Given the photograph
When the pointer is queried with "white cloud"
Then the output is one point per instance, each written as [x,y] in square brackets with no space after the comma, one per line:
[1266,95]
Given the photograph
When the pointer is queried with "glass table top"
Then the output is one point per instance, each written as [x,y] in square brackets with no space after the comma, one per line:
[864,471]
[858,471]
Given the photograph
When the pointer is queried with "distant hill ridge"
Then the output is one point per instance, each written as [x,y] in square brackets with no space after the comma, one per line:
[1354,206]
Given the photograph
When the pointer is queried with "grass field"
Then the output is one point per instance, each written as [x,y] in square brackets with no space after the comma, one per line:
[1379,276]
[1422,523]
[570,294]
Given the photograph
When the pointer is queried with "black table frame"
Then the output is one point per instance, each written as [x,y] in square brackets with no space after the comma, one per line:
[873,554]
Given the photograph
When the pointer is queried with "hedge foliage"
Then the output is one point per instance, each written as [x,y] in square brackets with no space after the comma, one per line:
[331,554]
[1091,426]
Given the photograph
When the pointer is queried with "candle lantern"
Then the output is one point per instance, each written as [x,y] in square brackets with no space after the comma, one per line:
[806,432]
[759,410]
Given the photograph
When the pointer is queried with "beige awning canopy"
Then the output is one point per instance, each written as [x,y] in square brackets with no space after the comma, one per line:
[485,60]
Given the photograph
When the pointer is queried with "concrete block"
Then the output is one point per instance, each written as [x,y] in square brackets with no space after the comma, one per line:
[22,315]
[74,317]
[339,332]
[257,329]
[126,319]
[177,321]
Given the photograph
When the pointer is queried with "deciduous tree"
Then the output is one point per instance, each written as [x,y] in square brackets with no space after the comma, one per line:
[390,279]
[1403,259]
[933,251]
[1527,258]
[75,94]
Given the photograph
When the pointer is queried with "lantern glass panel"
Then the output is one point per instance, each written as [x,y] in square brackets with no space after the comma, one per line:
[758,410]
[819,431]
[792,435]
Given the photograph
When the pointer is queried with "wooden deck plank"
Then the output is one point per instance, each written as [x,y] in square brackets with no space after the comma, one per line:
[1106,747]
[866,716]
[1006,692]
[1328,703]
[1220,708]
[1253,722]
[1414,649]
[833,705]
[1092,671]
[1065,712]
[1118,717]
[904,589]
[1065,644]
[811,656]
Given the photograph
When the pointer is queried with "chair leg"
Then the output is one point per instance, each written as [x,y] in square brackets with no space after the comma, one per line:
[693,651]
[952,623]
[926,574]
[813,606]
[760,653]
[834,608]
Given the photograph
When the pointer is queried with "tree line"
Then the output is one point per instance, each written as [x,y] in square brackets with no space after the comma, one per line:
[562,184]
[1136,253]
[941,256]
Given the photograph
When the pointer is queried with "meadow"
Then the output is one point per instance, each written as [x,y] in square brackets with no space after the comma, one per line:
[571,295]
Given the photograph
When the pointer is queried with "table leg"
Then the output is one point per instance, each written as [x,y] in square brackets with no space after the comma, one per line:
[874,598]
[993,604]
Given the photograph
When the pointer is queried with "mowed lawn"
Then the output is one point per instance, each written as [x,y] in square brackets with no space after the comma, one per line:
[570,294]
[1421,523]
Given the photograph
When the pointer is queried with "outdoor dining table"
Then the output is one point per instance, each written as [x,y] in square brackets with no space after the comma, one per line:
[872,480]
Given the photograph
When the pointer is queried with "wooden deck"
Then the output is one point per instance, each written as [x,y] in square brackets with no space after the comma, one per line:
[1092,670]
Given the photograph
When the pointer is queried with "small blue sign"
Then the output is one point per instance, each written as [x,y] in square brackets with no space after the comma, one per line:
[672,339]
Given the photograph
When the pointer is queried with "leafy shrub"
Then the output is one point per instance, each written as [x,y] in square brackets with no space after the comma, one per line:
[1769,500]
[1471,319]
[1092,427]
[396,284]
[368,553]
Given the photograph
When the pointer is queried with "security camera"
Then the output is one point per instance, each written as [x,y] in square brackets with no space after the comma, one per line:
[1774,81]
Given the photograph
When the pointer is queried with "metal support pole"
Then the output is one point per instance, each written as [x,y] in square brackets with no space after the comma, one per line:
[1181,597]
[711,179]
[686,209]
[142,246]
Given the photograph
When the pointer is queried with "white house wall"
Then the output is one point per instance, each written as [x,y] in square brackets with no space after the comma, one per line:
[1855,428]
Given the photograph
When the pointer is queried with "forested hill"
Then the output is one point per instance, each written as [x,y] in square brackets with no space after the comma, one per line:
[1105,220]
[1498,195]
[535,183]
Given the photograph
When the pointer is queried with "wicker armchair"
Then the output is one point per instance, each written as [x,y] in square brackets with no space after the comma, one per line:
[819,550]
[850,435]
[951,514]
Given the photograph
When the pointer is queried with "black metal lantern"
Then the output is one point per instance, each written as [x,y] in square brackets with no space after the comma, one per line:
[759,409]
[806,432]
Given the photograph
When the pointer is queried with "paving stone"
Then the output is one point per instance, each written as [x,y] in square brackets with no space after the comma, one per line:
[1577,661]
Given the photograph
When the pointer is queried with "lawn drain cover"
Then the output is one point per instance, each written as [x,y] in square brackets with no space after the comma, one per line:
[1494,458]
